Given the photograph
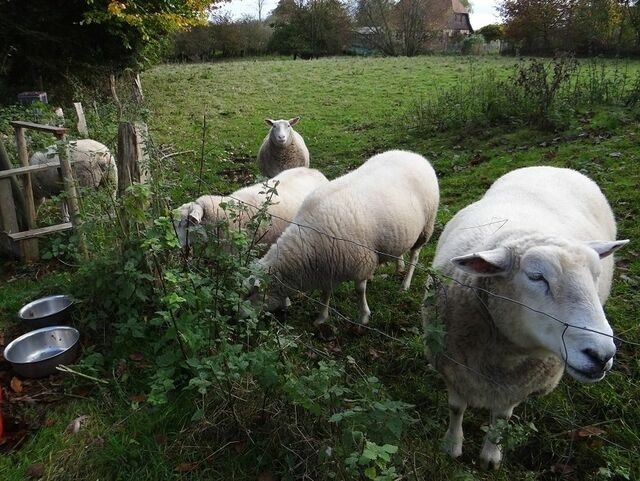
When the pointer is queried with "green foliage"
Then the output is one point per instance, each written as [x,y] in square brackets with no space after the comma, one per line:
[45,44]
[491,32]
[472,45]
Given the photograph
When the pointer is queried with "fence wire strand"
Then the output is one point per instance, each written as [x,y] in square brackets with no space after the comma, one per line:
[419,267]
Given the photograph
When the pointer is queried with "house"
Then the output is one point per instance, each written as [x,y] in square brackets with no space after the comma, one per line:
[454,18]
[415,26]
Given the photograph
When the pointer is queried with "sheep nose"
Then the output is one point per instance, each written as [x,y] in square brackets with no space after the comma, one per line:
[600,359]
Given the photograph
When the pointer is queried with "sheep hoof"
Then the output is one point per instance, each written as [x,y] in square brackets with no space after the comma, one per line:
[490,457]
[452,447]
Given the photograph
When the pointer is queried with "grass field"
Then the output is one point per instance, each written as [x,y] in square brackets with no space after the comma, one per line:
[351,108]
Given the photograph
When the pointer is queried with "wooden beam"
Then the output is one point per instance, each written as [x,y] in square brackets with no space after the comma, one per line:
[52,129]
[29,247]
[29,234]
[35,168]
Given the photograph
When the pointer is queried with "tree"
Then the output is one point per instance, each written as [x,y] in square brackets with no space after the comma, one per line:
[492,32]
[53,40]
[312,27]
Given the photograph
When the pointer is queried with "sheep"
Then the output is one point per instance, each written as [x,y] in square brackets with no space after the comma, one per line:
[346,228]
[282,148]
[291,187]
[531,268]
[94,167]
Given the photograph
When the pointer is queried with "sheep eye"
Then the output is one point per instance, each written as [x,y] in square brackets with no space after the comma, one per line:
[538,277]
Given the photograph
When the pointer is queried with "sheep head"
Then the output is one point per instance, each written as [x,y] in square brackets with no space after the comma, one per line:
[281,132]
[547,300]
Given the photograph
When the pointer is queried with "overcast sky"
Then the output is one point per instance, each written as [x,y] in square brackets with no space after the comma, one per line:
[484,11]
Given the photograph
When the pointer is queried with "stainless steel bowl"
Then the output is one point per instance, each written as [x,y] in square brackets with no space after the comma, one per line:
[46,311]
[37,353]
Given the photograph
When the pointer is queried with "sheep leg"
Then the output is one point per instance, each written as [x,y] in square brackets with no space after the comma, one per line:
[400,265]
[415,254]
[491,454]
[452,441]
[363,307]
[324,311]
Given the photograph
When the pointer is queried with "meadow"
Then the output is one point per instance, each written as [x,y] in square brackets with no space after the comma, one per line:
[272,399]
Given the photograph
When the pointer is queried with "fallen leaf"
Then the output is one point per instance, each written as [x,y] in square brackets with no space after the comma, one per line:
[266,476]
[35,471]
[49,422]
[185,468]
[585,432]
[136,356]
[138,398]
[16,385]
[78,423]
[562,469]
[373,353]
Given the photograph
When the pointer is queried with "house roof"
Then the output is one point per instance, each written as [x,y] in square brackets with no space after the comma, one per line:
[458,7]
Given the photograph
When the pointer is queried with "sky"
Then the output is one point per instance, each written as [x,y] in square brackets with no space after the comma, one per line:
[484,11]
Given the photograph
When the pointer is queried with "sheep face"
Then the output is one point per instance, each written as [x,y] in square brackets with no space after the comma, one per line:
[281,131]
[557,307]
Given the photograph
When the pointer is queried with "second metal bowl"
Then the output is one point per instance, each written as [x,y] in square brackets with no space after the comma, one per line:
[46,311]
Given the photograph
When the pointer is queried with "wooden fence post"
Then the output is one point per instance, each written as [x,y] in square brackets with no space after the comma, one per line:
[18,197]
[72,196]
[30,246]
[82,121]
[132,155]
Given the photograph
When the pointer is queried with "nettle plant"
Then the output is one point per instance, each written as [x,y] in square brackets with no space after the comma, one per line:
[183,324]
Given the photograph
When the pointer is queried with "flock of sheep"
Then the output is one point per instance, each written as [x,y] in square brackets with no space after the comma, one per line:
[526,269]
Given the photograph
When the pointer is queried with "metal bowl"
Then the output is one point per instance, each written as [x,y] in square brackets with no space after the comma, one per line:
[46,311]
[37,353]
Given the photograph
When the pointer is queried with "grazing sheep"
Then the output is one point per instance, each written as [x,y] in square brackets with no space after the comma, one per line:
[282,148]
[531,266]
[291,186]
[95,167]
[346,228]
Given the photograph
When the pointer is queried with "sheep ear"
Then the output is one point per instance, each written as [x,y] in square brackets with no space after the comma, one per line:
[269,122]
[495,262]
[195,214]
[294,121]
[606,248]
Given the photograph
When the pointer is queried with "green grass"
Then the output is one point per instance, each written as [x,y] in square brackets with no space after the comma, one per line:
[352,108]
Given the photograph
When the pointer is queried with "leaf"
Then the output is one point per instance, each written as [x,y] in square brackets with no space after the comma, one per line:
[78,423]
[185,467]
[136,356]
[138,398]
[35,471]
[370,472]
[266,476]
[562,469]
[16,385]
[586,432]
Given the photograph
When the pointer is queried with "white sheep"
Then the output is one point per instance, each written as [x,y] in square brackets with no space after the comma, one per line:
[95,167]
[531,266]
[291,187]
[282,148]
[346,228]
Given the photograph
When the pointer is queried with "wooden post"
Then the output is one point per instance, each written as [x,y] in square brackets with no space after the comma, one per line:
[82,122]
[72,196]
[29,246]
[114,94]
[132,155]
[137,88]
[9,222]
[18,198]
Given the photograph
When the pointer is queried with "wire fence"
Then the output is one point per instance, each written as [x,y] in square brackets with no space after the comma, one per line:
[439,279]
